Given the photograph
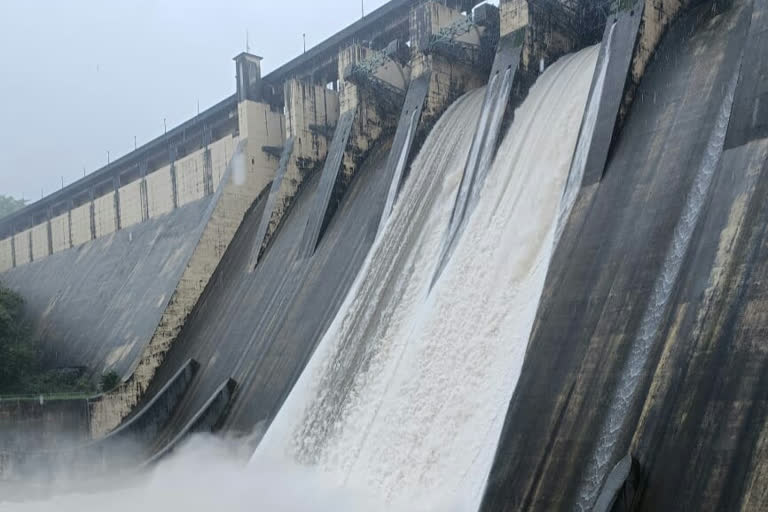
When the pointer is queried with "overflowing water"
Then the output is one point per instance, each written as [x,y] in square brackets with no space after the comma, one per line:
[626,393]
[405,397]
[402,405]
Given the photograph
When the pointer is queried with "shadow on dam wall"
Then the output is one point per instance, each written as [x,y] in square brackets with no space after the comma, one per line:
[260,328]
[696,422]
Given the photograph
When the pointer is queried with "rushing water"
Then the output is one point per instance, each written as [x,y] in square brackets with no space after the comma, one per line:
[402,404]
[405,397]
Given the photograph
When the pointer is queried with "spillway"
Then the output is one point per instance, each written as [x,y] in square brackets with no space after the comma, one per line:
[404,398]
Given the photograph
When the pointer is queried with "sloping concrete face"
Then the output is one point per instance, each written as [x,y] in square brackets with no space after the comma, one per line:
[97,305]
[261,327]
[245,181]
[693,368]
[750,107]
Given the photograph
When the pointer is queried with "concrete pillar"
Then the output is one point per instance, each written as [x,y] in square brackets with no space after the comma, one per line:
[116,186]
[514,16]
[31,251]
[173,154]
[448,79]
[207,162]
[311,113]
[70,207]
[13,247]
[370,119]
[143,194]
[92,213]
[49,231]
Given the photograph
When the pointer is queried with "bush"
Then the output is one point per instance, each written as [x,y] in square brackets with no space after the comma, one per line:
[109,381]
[21,368]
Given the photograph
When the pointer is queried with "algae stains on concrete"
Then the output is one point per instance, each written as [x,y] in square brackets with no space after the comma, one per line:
[448,80]
[704,402]
[311,113]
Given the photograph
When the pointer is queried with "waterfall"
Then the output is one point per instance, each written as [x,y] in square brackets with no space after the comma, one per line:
[405,397]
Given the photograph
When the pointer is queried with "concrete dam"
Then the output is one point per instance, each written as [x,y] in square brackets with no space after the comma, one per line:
[458,256]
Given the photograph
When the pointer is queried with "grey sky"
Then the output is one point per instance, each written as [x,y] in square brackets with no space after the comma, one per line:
[82,77]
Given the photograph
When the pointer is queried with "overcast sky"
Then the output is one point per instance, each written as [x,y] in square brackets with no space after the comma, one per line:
[83,77]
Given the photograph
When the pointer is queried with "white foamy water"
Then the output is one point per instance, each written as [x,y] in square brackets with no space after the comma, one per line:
[405,397]
[403,402]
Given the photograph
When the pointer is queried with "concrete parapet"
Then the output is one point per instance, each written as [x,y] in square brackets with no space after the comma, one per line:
[159,192]
[130,204]
[40,241]
[6,255]
[22,248]
[104,215]
[137,201]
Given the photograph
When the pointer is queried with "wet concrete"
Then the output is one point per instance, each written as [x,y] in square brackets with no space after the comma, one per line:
[697,425]
[260,328]
[98,305]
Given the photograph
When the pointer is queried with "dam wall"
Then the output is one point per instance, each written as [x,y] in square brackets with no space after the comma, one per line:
[642,343]
[39,424]
[234,198]
[185,196]
[119,208]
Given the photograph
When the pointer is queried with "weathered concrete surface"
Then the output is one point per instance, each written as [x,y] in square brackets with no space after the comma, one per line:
[80,458]
[30,425]
[261,327]
[698,427]
[98,305]
[244,182]
[750,107]
[311,111]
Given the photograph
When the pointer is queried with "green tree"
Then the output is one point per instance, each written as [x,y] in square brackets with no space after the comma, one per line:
[8,205]
[21,368]
[18,355]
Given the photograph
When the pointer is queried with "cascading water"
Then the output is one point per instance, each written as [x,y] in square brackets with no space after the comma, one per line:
[402,405]
[634,368]
[404,398]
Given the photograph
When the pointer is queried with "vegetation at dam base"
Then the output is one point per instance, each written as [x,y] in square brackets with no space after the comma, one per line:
[21,368]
